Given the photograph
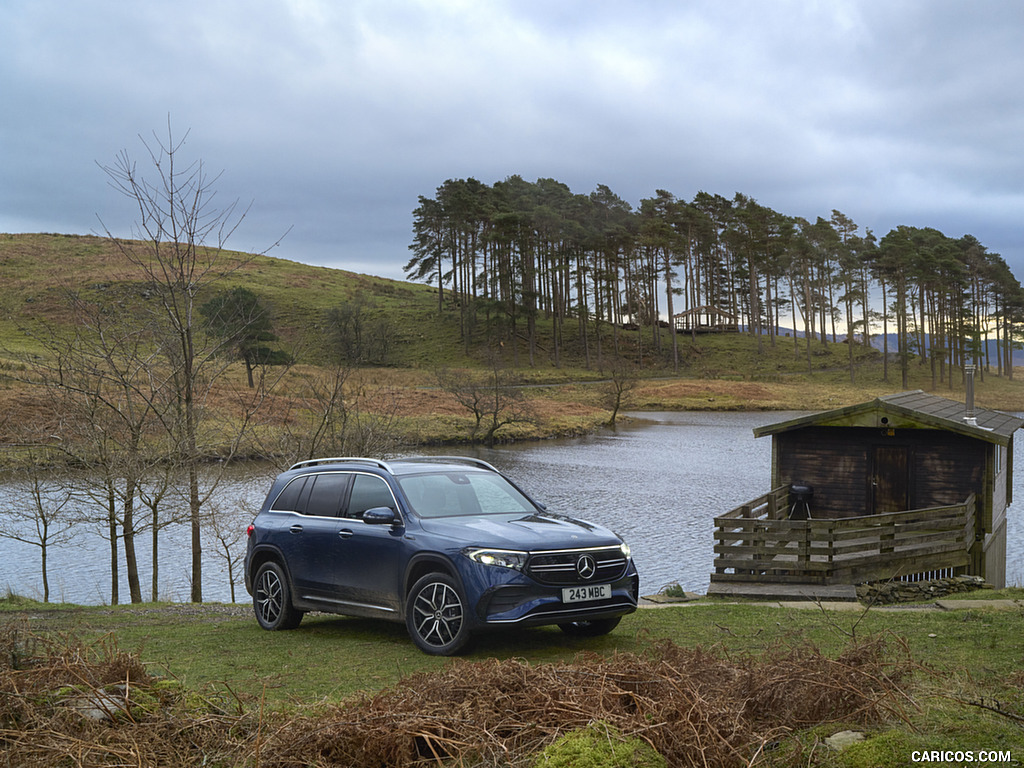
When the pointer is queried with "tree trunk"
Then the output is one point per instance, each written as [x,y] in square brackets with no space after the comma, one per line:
[128,526]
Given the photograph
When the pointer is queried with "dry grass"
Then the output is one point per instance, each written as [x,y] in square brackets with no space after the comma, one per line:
[695,707]
[48,686]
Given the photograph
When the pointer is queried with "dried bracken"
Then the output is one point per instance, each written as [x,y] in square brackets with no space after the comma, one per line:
[63,702]
[66,703]
[695,708]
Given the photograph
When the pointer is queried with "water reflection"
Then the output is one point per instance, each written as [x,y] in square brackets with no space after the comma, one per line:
[79,572]
[658,480]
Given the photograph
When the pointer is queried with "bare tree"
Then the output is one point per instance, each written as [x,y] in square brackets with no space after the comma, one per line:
[156,494]
[103,395]
[624,379]
[230,538]
[495,399]
[179,248]
[330,414]
[42,514]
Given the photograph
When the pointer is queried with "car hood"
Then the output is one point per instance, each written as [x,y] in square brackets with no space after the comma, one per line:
[520,532]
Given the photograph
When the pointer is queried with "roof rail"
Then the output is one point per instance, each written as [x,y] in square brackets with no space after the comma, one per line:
[460,459]
[340,460]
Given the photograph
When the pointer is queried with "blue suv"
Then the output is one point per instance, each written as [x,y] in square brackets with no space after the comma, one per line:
[447,545]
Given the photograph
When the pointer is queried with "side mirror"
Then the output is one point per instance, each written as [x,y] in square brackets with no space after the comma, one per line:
[380,516]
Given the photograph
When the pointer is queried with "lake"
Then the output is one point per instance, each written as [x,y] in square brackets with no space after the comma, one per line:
[658,481]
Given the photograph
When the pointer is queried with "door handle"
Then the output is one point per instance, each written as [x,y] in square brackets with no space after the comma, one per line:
[345,533]
[295,529]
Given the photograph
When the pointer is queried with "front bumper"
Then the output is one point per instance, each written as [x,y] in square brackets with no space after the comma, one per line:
[517,599]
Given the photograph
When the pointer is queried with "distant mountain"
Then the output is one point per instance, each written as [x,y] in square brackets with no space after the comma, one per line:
[878,342]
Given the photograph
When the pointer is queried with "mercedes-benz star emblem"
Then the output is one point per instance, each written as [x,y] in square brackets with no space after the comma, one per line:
[586,567]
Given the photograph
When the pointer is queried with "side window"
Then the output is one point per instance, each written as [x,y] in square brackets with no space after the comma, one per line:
[325,497]
[288,499]
[368,492]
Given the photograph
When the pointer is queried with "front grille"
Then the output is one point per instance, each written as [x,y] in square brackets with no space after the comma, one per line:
[563,567]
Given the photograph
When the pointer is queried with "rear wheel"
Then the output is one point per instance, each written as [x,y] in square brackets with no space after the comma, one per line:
[593,628]
[272,599]
[435,615]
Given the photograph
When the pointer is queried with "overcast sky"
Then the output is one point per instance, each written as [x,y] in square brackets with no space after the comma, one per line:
[332,116]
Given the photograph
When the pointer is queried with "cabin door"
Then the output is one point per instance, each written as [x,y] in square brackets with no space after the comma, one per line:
[890,479]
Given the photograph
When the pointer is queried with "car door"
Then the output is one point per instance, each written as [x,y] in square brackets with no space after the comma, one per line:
[371,554]
[311,545]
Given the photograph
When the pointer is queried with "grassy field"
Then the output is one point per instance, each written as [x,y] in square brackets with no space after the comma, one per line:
[40,271]
[717,372]
[962,686]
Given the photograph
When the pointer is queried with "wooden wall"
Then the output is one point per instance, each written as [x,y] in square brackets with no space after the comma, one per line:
[836,463]
[832,461]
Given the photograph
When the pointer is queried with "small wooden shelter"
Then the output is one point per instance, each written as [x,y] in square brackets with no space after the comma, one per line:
[909,485]
[706,319]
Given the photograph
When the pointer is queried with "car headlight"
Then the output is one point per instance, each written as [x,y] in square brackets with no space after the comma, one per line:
[503,558]
[624,547]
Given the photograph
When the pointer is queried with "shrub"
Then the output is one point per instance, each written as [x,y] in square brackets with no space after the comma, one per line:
[599,746]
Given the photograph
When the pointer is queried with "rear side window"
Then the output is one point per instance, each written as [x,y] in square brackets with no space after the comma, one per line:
[326,495]
[288,499]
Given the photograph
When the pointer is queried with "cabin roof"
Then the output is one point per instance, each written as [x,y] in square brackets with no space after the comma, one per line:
[909,410]
[706,309]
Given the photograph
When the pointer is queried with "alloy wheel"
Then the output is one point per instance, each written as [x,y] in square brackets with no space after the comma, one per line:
[435,615]
[269,596]
[438,614]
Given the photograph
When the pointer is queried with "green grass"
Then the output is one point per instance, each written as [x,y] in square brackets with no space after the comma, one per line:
[962,658]
[204,645]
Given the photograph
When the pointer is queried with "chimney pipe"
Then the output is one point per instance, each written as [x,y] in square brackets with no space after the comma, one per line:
[969,395]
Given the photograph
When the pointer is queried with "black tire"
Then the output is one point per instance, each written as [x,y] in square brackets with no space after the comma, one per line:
[272,599]
[436,616]
[594,628]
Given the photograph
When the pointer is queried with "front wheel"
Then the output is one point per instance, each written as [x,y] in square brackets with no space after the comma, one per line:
[594,628]
[272,599]
[435,615]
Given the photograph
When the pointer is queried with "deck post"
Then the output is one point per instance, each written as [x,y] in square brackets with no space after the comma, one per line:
[759,540]
[887,539]
[830,539]
[720,538]
[803,557]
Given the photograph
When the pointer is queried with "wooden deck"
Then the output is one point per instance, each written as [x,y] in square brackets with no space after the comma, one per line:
[756,543]
[706,319]
[783,593]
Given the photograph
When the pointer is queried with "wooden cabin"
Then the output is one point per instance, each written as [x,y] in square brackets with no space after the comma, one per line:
[706,319]
[909,486]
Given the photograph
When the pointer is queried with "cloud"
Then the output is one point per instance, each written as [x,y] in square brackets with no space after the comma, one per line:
[334,117]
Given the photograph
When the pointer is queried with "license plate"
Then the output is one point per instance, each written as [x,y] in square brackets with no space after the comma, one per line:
[589,592]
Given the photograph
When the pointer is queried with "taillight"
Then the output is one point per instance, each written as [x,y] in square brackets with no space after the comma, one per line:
[249,530]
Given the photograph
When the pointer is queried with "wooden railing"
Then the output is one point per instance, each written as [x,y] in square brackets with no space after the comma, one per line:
[755,542]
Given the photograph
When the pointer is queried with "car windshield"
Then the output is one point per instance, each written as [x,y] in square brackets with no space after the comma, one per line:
[453,494]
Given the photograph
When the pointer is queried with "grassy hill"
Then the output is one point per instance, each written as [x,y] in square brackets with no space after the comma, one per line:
[39,271]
